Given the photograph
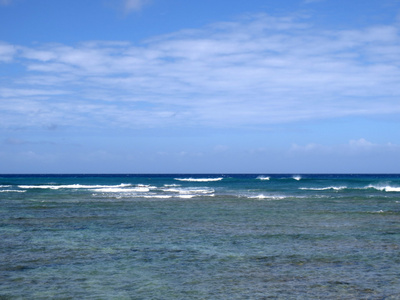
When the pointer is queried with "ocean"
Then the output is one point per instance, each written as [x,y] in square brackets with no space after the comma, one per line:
[208,236]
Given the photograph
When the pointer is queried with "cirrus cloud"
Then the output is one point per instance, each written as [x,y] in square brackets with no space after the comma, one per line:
[133,5]
[253,71]
[5,2]
[7,52]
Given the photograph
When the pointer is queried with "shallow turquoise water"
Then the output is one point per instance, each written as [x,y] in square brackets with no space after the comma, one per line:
[156,237]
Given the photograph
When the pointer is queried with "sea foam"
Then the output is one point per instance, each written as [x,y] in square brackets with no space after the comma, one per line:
[268,197]
[387,188]
[72,186]
[199,179]
[12,191]
[336,188]
[187,191]
[263,177]
[122,190]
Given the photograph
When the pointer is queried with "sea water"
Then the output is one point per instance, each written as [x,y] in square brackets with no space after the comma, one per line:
[212,236]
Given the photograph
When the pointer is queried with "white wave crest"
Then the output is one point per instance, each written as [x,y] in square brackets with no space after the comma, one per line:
[263,177]
[73,186]
[158,196]
[183,191]
[336,188]
[269,197]
[296,177]
[186,196]
[189,196]
[392,189]
[12,191]
[199,179]
[387,188]
[122,190]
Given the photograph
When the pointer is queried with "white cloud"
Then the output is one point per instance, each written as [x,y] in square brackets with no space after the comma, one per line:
[353,147]
[311,147]
[5,2]
[312,1]
[361,143]
[13,93]
[7,52]
[257,70]
[133,5]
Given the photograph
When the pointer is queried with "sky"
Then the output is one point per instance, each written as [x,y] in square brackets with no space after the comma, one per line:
[178,86]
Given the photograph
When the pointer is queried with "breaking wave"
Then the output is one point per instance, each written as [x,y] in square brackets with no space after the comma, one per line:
[336,188]
[72,186]
[122,190]
[263,178]
[266,197]
[12,191]
[199,179]
[387,188]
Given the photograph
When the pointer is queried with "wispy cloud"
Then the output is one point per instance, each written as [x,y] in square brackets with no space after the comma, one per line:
[5,2]
[18,142]
[353,147]
[7,52]
[312,1]
[253,71]
[133,5]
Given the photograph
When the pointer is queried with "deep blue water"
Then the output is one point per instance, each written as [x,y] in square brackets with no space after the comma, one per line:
[209,236]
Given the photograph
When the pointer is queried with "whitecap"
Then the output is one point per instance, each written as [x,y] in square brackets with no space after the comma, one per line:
[189,196]
[146,185]
[263,178]
[158,196]
[336,188]
[12,191]
[122,190]
[269,197]
[387,188]
[186,196]
[38,187]
[392,189]
[171,190]
[199,179]
[296,177]
[72,186]
[188,191]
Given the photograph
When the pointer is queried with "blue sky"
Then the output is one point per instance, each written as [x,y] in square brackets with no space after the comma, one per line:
[150,86]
